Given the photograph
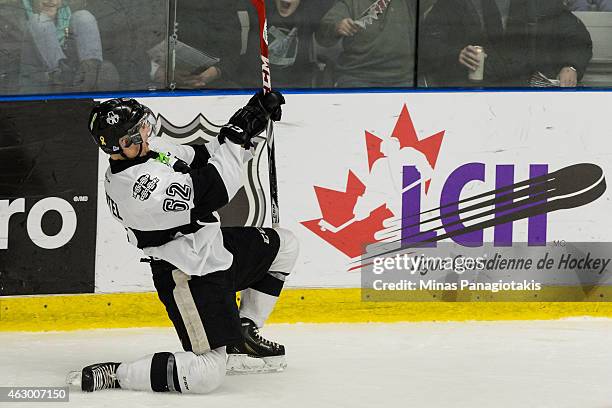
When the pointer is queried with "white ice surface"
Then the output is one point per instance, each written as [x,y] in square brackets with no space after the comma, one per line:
[509,364]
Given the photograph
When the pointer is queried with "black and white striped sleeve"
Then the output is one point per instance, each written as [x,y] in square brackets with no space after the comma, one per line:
[216,183]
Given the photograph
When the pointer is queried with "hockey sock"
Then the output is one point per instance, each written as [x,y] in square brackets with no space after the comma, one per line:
[257,302]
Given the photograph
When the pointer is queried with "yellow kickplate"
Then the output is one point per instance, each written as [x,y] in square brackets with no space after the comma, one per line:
[73,312]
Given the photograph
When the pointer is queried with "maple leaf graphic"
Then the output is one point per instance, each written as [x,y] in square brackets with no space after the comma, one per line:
[338,225]
[406,134]
[373,147]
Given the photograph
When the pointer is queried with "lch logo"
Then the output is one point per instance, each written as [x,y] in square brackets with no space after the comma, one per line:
[363,214]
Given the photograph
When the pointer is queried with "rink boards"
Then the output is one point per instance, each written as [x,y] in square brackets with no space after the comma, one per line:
[74,312]
[340,162]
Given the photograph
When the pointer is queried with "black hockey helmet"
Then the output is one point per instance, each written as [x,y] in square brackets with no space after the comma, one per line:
[111,120]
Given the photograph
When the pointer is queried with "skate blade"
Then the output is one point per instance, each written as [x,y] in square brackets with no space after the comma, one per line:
[74,379]
[238,364]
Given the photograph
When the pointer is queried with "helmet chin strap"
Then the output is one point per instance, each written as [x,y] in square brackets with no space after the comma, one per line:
[136,139]
[132,158]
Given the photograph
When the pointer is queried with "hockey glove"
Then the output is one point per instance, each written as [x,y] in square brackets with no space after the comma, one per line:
[270,103]
[251,120]
[247,123]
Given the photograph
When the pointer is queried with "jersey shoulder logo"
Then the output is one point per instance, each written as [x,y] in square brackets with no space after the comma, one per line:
[144,186]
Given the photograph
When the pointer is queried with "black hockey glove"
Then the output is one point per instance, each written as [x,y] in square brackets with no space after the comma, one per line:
[251,120]
[270,103]
[244,125]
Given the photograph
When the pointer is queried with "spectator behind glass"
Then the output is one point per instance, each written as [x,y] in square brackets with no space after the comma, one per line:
[11,39]
[378,42]
[213,29]
[291,25]
[129,28]
[589,5]
[558,45]
[64,51]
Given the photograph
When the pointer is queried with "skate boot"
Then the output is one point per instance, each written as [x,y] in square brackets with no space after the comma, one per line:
[99,376]
[254,354]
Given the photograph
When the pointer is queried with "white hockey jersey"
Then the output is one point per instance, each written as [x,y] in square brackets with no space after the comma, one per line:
[171,215]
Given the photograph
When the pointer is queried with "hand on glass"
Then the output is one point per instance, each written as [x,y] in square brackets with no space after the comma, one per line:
[568,77]
[202,79]
[347,28]
[469,57]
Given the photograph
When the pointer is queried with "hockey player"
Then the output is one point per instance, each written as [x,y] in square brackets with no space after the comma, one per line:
[166,197]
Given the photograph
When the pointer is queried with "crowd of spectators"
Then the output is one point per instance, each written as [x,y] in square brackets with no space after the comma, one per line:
[52,46]
[291,26]
[378,42]
[49,46]
[522,43]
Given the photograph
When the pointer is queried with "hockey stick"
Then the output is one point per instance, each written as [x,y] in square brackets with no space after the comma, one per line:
[260,5]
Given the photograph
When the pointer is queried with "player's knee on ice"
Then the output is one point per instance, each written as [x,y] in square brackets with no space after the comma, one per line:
[201,374]
[287,253]
[185,372]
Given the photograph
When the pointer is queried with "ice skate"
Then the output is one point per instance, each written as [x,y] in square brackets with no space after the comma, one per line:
[96,377]
[255,354]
